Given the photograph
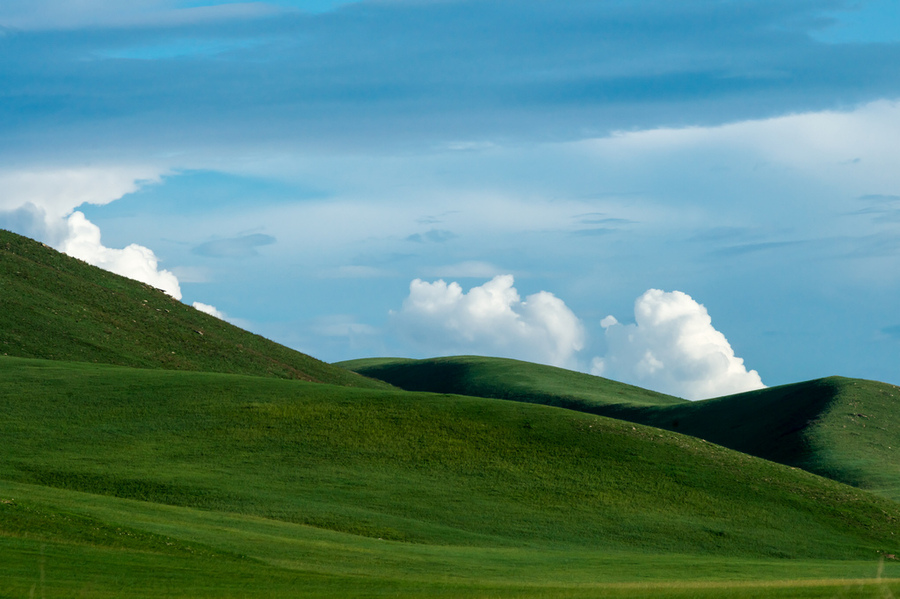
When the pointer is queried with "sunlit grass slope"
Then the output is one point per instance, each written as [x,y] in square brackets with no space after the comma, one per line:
[845,429]
[60,543]
[56,307]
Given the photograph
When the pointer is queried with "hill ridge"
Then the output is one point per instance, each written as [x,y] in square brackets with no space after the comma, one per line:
[54,306]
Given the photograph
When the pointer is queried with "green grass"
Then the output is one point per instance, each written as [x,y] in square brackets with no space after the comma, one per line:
[136,482]
[845,429]
[155,451]
[56,307]
[151,550]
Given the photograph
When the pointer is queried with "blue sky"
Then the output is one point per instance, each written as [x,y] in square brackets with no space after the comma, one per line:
[315,170]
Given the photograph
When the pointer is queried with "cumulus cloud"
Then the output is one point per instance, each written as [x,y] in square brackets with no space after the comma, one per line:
[207,309]
[40,203]
[672,347]
[490,319]
[135,261]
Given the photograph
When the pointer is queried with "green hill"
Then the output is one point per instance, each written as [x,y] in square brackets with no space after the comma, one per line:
[231,485]
[845,429]
[503,378]
[151,450]
[56,307]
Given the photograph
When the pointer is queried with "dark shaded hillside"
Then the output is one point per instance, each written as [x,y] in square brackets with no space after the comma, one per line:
[503,378]
[55,307]
[845,429]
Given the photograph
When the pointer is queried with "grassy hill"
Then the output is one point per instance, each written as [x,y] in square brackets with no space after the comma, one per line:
[845,429]
[151,450]
[503,378]
[56,307]
[192,484]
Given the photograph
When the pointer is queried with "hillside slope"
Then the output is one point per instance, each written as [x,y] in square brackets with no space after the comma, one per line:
[55,307]
[845,429]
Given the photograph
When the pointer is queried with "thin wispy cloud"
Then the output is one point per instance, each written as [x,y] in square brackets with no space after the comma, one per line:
[244,246]
[432,236]
[609,65]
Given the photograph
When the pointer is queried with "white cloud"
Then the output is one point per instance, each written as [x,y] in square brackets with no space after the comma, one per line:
[40,203]
[135,261]
[207,309]
[490,319]
[673,348]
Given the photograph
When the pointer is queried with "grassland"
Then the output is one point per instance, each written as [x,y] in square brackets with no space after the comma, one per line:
[845,429]
[99,546]
[150,450]
[221,484]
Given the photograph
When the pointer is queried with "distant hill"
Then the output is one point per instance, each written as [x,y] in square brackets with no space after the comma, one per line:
[56,307]
[845,429]
[503,378]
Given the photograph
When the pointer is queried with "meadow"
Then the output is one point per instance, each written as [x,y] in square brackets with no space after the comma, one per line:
[237,470]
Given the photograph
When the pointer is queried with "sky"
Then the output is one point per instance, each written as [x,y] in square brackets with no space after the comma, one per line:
[699,197]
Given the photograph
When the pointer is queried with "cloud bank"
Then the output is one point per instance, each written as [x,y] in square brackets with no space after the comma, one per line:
[491,318]
[41,204]
[460,73]
[672,347]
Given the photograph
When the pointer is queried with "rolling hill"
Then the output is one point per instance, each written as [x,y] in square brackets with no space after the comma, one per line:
[227,481]
[56,307]
[844,429]
[150,450]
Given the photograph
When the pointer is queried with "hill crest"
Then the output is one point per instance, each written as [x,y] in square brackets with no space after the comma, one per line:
[56,307]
